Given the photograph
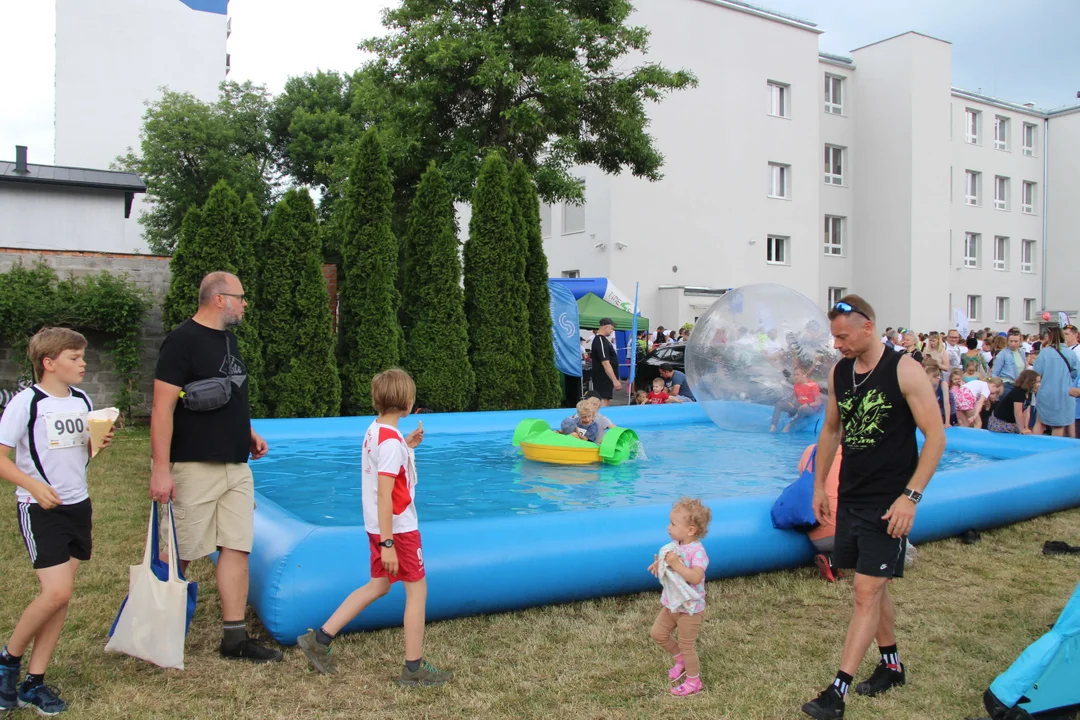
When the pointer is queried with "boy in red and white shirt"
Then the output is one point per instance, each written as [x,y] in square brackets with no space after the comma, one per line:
[388,490]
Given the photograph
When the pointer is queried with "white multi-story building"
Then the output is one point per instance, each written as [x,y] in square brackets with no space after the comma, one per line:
[925,198]
[113,57]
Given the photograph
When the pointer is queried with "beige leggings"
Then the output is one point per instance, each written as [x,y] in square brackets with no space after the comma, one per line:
[688,626]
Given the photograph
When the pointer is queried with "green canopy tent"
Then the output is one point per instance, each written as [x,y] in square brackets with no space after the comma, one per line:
[592,308]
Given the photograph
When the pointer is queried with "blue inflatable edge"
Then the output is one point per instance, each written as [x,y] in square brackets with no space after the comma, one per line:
[301,572]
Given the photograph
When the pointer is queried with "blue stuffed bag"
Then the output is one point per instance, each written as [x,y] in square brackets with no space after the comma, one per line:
[794,509]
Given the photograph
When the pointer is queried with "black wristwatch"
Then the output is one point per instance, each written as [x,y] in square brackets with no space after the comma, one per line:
[913,495]
[390,543]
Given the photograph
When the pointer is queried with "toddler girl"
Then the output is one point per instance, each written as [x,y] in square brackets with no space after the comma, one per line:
[680,566]
[963,399]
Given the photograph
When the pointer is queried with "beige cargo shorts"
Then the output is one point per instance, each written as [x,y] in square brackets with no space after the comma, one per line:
[214,507]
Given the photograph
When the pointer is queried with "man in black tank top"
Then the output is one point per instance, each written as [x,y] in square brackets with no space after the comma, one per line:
[877,400]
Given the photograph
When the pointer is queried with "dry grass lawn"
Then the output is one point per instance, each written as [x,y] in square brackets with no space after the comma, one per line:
[769,642]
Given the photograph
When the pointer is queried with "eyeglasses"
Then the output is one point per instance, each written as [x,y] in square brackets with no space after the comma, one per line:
[843,307]
[241,297]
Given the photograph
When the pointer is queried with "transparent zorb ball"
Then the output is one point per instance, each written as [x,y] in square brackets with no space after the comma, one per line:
[744,353]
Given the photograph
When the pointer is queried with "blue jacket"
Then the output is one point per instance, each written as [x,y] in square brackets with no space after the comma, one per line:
[1005,365]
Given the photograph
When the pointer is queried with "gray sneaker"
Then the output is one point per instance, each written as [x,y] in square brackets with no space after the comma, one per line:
[427,675]
[317,653]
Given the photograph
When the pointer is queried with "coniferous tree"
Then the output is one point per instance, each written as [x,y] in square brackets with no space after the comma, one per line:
[370,331]
[546,392]
[301,369]
[437,340]
[496,296]
[249,333]
[209,242]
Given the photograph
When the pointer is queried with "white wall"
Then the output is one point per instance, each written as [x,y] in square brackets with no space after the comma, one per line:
[839,130]
[1063,213]
[60,218]
[986,281]
[710,215]
[112,56]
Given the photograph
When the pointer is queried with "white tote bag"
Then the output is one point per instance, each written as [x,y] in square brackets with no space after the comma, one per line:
[153,621]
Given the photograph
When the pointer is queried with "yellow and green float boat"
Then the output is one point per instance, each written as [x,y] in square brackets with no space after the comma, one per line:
[540,443]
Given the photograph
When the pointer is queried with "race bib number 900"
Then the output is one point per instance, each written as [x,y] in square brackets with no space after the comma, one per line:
[67,430]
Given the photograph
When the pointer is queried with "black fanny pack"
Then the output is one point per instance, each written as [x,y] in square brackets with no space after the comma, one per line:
[206,395]
[209,394]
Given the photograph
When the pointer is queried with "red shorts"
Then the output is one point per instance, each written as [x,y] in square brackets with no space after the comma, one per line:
[410,557]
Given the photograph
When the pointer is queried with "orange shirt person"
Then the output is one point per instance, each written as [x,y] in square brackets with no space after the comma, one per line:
[822,536]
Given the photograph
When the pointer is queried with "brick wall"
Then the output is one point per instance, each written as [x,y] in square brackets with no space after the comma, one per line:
[149,272]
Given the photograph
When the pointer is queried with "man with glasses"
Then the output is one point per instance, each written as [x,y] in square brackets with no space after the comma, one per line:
[877,399]
[200,456]
[955,349]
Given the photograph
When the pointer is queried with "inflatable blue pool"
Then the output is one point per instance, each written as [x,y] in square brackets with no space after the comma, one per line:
[502,533]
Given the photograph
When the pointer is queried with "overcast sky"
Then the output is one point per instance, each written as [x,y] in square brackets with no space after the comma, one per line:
[1020,51]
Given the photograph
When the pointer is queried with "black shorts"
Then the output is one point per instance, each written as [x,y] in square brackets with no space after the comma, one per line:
[603,387]
[863,543]
[52,537]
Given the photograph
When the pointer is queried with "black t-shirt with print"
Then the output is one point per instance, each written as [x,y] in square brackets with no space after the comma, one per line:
[195,352]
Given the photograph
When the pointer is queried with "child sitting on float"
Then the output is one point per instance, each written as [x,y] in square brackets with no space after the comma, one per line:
[587,423]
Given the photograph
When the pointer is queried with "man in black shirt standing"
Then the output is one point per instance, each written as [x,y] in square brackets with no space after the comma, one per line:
[605,363]
[877,398]
[200,457]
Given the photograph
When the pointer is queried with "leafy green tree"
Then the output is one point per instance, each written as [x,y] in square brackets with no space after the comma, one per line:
[546,392]
[370,332]
[222,235]
[496,303]
[301,369]
[552,82]
[437,341]
[188,146]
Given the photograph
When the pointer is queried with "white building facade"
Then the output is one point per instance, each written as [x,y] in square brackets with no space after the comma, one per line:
[829,175]
[115,56]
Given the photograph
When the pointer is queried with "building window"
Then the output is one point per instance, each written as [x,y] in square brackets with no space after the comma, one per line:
[973,303]
[1001,193]
[1001,133]
[835,294]
[1029,309]
[1027,256]
[834,165]
[834,235]
[778,99]
[1029,139]
[1027,198]
[571,273]
[972,181]
[1001,253]
[1001,310]
[971,250]
[573,216]
[776,252]
[779,180]
[545,219]
[834,94]
[972,126]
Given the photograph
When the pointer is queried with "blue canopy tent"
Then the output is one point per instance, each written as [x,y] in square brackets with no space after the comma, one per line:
[1046,676]
[621,311]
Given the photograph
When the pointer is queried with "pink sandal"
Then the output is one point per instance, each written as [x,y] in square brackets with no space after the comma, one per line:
[690,686]
[677,670]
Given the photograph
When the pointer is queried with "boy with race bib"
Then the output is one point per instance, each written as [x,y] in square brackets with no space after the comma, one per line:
[46,425]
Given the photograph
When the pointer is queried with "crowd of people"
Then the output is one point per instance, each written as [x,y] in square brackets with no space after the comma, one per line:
[1005,382]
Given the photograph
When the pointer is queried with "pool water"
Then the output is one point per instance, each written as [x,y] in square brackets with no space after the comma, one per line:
[481,474]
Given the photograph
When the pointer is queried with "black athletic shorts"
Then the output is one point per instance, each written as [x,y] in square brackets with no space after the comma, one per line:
[863,542]
[603,386]
[53,537]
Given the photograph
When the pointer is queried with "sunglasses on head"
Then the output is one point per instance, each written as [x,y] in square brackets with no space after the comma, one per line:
[1070,327]
[846,309]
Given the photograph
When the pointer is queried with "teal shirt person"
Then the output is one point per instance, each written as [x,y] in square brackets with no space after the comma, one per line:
[1058,368]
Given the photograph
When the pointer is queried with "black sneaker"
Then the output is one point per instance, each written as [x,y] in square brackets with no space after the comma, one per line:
[883,679]
[829,705]
[9,687]
[43,698]
[251,651]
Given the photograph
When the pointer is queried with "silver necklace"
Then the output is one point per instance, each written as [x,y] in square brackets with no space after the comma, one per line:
[857,385]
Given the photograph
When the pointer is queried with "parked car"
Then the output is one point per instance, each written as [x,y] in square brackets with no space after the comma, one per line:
[648,367]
